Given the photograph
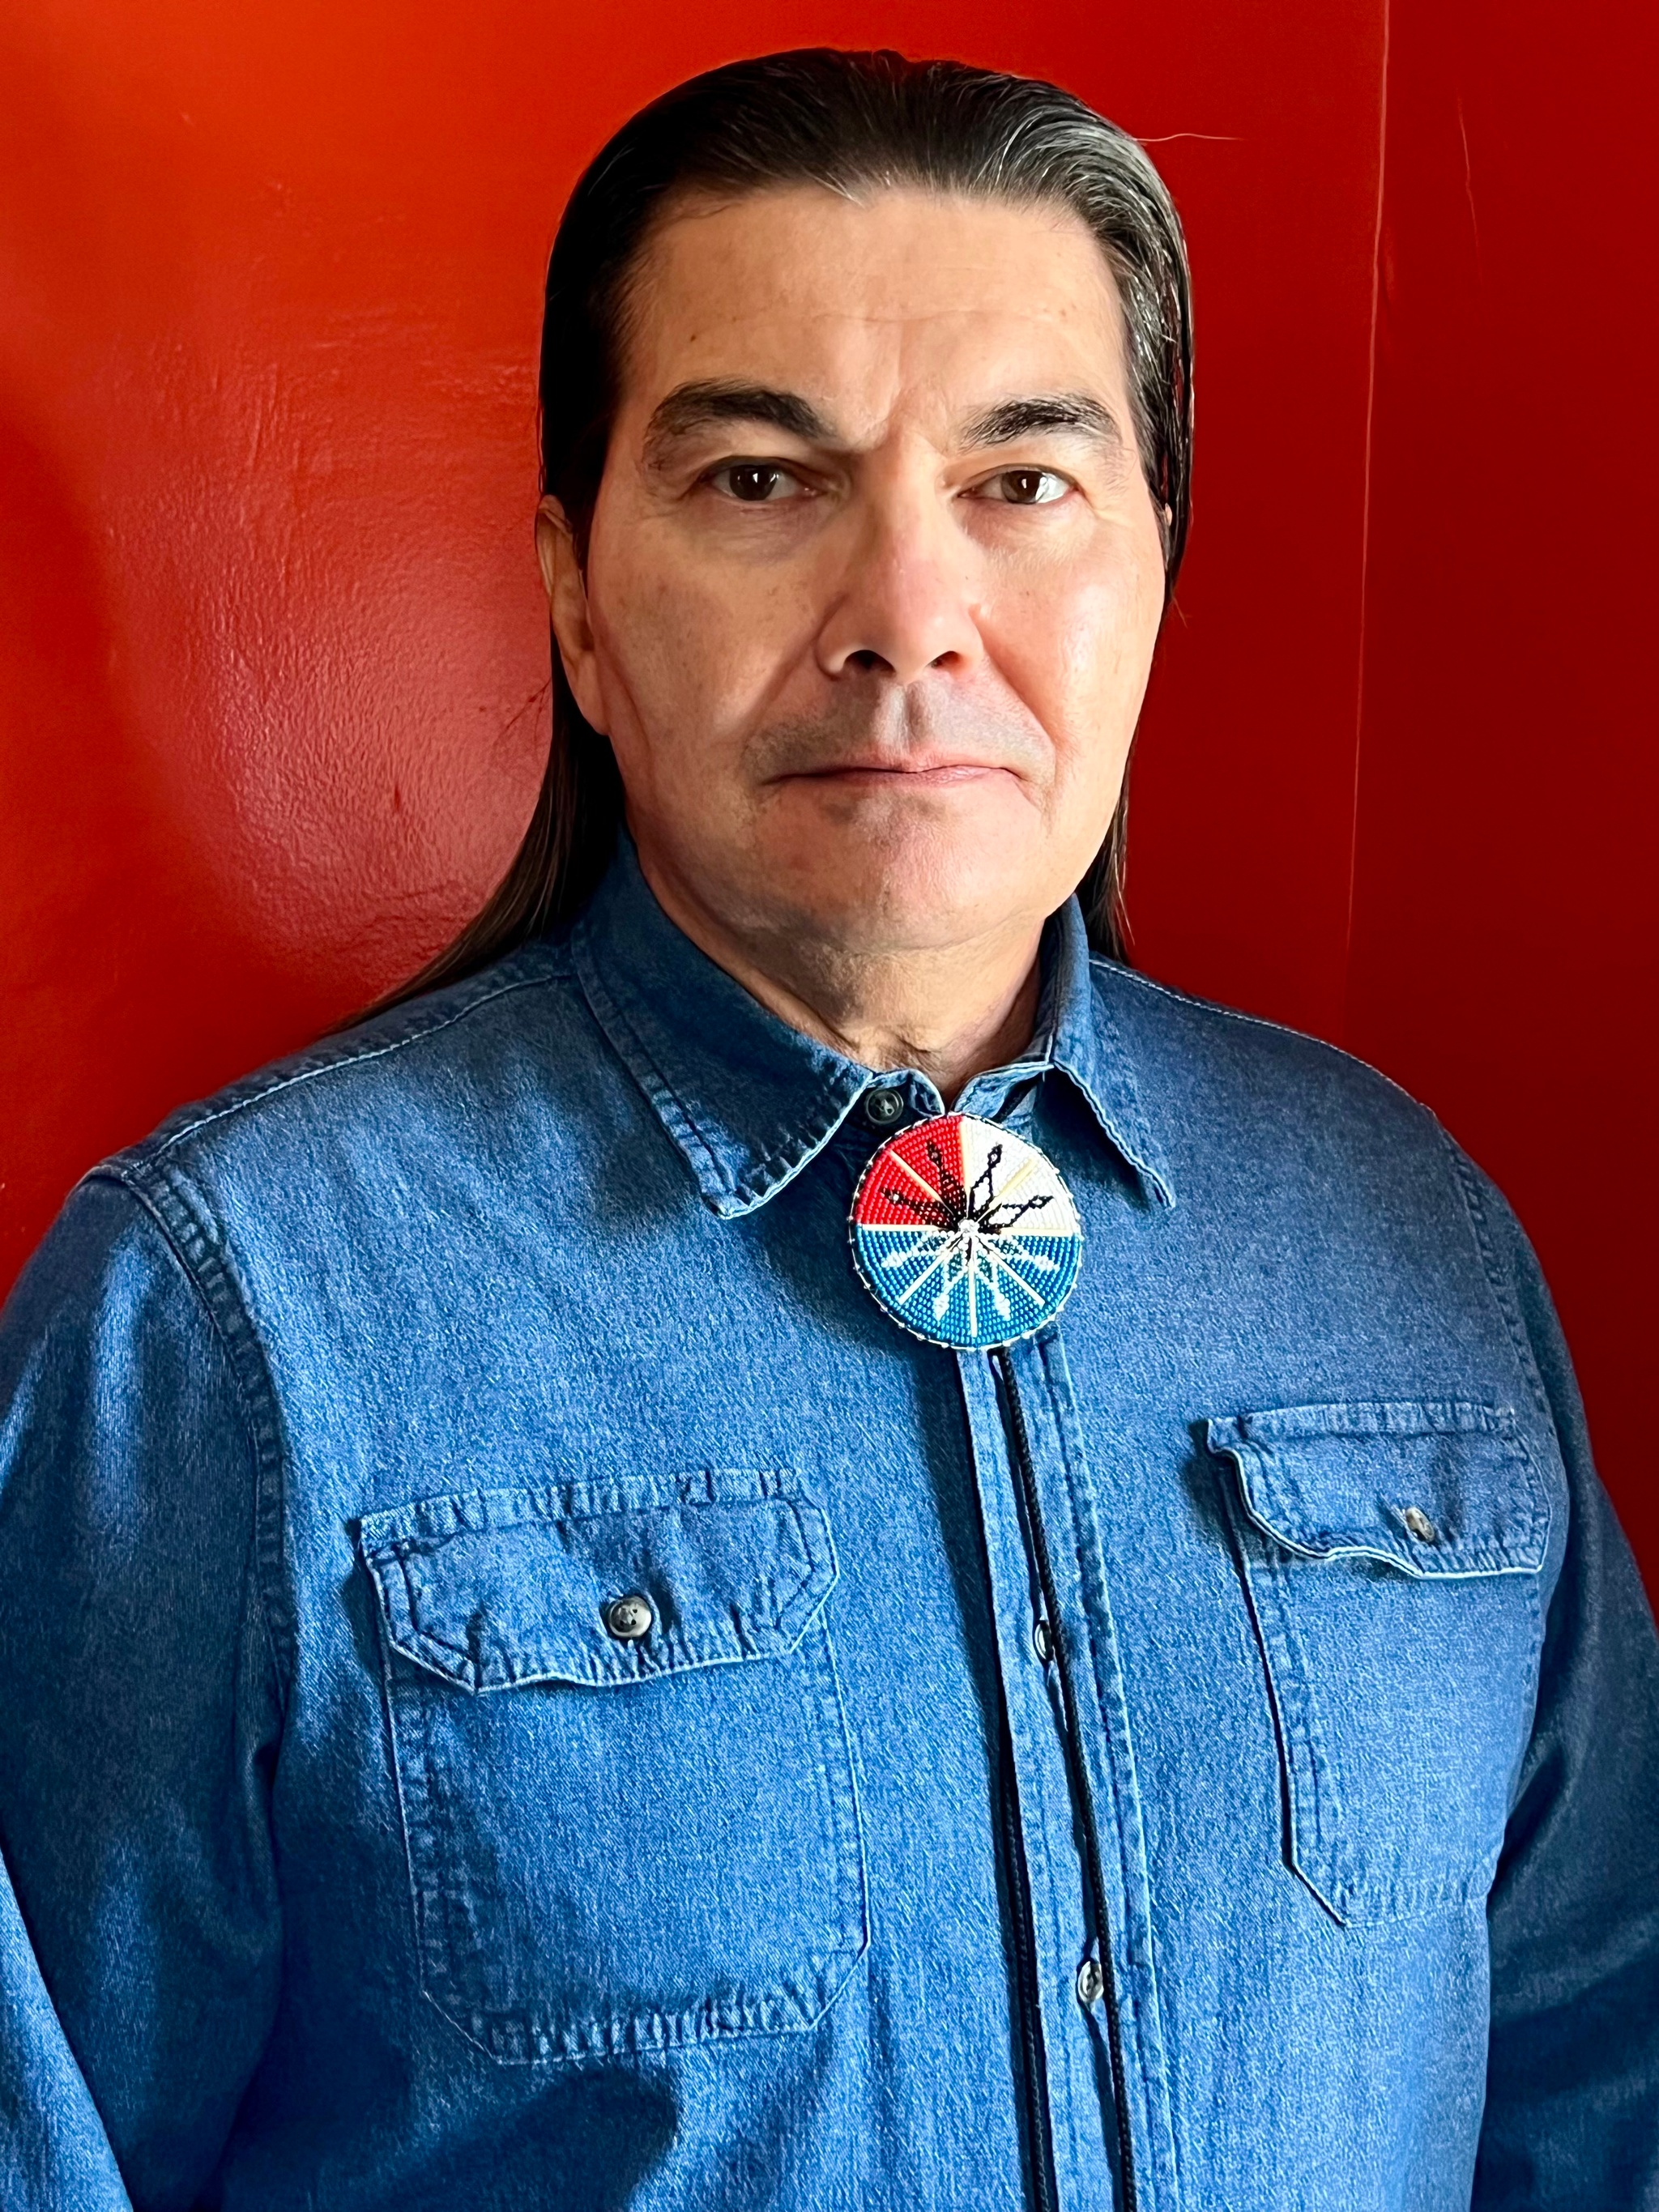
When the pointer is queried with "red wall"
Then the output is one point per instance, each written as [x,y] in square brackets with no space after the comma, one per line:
[271,654]
[1504,957]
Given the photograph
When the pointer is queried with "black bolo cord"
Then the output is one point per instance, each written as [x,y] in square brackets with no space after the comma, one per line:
[1077,1766]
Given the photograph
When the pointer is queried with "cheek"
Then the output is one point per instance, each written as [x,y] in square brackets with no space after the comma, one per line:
[1077,651]
[683,648]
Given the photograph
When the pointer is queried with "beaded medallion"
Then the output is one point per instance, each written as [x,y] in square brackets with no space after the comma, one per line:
[964,1234]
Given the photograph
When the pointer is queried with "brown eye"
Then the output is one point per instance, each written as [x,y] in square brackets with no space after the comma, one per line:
[755,482]
[1026,487]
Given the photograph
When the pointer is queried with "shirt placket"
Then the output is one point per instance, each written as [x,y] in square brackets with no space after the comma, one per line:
[1080,1828]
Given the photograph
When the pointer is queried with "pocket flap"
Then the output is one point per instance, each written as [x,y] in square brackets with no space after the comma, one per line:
[492,1587]
[1437,1488]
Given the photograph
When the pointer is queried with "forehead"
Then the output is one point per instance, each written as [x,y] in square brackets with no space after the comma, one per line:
[899,296]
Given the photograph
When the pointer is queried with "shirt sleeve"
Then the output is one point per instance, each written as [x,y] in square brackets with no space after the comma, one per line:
[140,1940]
[1573,2091]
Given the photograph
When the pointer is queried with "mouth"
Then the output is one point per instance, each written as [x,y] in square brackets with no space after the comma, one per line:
[922,775]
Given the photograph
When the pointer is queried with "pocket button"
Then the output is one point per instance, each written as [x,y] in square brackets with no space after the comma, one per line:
[629,1617]
[1419,1524]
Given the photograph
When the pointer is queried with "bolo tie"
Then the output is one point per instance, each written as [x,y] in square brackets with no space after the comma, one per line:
[964,1234]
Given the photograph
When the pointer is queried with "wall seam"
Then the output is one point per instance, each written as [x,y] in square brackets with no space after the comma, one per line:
[1365,523]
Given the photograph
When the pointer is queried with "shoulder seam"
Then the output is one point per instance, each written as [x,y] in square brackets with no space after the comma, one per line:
[1463,1174]
[202,1266]
[152,1151]
[1256,1022]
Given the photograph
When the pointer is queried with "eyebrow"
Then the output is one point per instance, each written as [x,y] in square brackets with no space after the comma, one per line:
[691,407]
[1010,420]
[699,405]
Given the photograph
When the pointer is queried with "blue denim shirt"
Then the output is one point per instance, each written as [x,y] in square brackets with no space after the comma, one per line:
[1206,1756]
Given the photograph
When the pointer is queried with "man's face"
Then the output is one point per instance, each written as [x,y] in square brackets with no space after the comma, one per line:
[874,577]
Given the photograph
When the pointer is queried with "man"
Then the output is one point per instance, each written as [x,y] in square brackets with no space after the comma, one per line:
[786,1543]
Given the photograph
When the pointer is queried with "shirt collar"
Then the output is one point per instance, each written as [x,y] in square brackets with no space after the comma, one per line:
[749,1101]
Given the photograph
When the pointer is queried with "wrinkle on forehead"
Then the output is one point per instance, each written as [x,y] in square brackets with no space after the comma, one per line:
[919,281]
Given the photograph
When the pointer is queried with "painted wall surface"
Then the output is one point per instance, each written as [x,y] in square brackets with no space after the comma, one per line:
[272,653]
[1504,960]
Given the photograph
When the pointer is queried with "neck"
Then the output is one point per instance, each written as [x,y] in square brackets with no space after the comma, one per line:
[948,1011]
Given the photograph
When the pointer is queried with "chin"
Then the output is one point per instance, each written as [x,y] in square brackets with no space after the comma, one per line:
[890,847]
[868,901]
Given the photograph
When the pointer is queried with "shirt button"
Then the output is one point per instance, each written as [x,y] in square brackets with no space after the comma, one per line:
[1091,1982]
[629,1617]
[1419,1524]
[1041,1643]
[883,1107]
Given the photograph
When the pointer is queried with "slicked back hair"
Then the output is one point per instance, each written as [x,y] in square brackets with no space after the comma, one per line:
[849,123]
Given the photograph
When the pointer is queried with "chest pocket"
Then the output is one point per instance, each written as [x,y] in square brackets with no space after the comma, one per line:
[629,1825]
[1392,1556]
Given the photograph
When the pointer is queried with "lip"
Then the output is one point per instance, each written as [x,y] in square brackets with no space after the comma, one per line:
[927,773]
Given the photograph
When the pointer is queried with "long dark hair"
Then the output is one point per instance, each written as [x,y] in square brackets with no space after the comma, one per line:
[848,122]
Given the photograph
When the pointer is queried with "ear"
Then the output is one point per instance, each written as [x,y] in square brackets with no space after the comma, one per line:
[566,605]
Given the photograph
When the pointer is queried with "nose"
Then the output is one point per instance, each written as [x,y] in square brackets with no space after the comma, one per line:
[904,601]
